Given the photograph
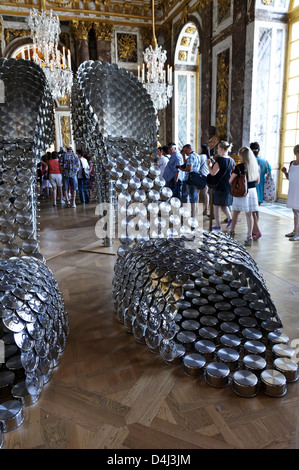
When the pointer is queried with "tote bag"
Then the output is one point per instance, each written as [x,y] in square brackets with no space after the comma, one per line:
[269,187]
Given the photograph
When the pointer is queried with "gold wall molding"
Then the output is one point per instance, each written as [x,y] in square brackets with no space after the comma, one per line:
[11,34]
[222,93]
[80,29]
[103,32]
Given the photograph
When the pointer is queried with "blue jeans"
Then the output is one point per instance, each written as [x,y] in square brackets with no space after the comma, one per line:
[83,191]
[193,193]
[176,188]
[185,193]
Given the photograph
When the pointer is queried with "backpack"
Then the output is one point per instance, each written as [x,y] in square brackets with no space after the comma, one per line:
[239,186]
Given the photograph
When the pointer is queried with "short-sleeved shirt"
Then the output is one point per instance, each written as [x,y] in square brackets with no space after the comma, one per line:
[171,167]
[70,164]
[240,168]
[54,168]
[198,162]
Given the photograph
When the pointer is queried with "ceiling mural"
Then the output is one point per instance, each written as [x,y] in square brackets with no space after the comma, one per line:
[113,11]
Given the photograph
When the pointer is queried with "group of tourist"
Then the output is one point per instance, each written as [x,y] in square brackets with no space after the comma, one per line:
[64,174]
[175,168]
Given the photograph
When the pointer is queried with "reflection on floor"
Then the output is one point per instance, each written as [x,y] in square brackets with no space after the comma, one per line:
[109,392]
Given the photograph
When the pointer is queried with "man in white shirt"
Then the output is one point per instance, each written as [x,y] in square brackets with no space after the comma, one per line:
[83,177]
[162,160]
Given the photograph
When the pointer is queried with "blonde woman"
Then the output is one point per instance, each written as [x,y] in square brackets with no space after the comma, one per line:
[222,198]
[249,203]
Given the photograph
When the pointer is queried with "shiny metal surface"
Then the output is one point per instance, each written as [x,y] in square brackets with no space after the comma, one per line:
[254,363]
[206,348]
[287,367]
[217,374]
[20,392]
[11,415]
[193,364]
[245,383]
[229,356]
[273,383]
[283,350]
[255,347]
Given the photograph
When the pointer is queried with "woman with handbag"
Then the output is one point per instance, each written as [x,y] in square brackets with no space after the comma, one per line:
[221,170]
[248,203]
[293,195]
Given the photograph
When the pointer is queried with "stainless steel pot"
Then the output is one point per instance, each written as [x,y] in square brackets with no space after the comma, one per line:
[273,383]
[217,374]
[11,415]
[206,348]
[287,367]
[245,383]
[193,364]
[229,356]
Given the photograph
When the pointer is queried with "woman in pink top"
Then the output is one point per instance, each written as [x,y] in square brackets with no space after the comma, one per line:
[55,177]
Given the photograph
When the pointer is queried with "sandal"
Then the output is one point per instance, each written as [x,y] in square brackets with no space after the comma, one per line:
[228,224]
[248,242]
[256,236]
[291,234]
[295,238]
[215,227]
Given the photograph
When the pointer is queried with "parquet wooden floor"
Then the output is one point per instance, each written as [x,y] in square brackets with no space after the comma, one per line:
[108,392]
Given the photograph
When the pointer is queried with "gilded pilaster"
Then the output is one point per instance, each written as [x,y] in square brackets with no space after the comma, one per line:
[103,34]
[80,31]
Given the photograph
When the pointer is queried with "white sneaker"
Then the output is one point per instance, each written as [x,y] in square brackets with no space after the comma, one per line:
[73,205]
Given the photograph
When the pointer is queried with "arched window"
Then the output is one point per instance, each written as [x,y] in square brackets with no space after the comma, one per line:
[290,127]
[186,92]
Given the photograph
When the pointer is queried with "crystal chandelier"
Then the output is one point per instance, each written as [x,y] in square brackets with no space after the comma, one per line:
[45,30]
[156,80]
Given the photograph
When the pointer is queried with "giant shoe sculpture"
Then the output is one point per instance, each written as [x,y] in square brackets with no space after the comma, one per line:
[33,321]
[196,298]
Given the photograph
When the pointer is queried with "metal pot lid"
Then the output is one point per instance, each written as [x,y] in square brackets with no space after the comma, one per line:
[29,360]
[218,369]
[230,340]
[277,337]
[205,346]
[283,350]
[252,333]
[186,337]
[254,361]
[13,323]
[229,327]
[226,316]
[245,378]
[238,302]
[34,382]
[35,330]
[254,347]
[271,325]
[285,364]
[209,320]
[273,377]
[190,313]
[208,332]
[23,341]
[190,325]
[194,360]
[227,355]
[9,409]
[242,311]
[247,322]
[26,314]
